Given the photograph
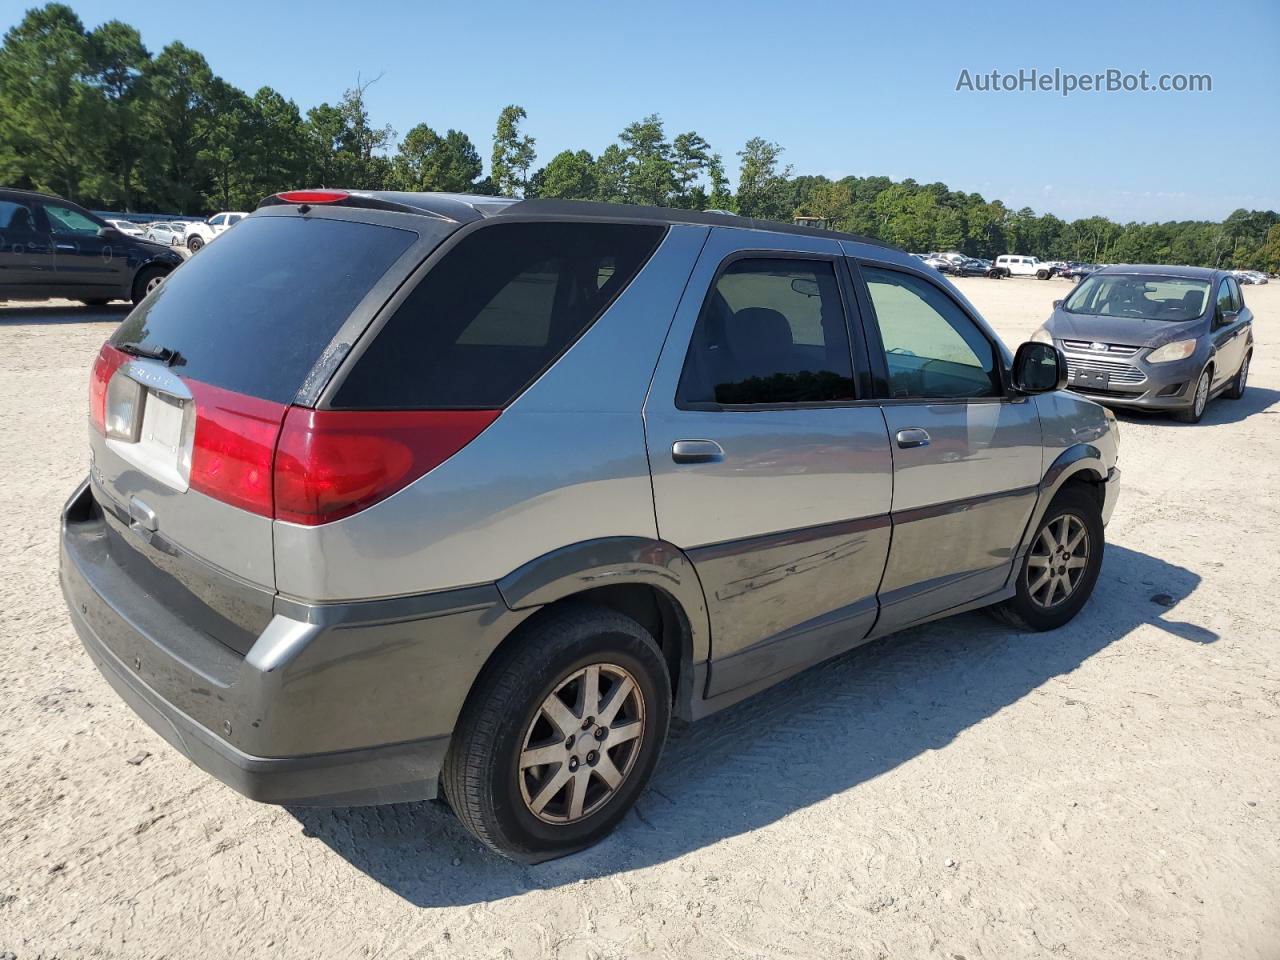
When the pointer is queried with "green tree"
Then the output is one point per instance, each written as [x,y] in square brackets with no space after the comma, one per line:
[178,118]
[428,161]
[691,160]
[46,103]
[650,176]
[611,175]
[720,197]
[513,153]
[569,175]
[762,187]
[117,62]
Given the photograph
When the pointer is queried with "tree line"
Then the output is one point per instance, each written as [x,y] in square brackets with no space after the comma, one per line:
[94,116]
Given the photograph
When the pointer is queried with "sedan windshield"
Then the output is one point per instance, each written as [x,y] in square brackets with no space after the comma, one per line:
[1140,297]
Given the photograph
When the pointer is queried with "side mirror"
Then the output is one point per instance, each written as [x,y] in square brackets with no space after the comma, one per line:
[1039,368]
[108,233]
[1057,304]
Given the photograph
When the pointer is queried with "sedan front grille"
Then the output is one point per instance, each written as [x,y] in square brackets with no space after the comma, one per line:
[1118,371]
[1113,349]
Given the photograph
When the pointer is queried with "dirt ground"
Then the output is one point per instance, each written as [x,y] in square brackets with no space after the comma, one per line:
[1110,790]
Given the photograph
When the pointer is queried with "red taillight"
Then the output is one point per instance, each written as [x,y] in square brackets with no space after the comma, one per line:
[333,463]
[313,196]
[231,453]
[108,362]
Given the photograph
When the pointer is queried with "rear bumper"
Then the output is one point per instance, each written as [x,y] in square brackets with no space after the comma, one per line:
[334,704]
[386,774]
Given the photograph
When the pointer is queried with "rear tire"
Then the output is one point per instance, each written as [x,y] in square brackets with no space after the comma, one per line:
[195,242]
[1055,553]
[1236,390]
[148,279]
[519,711]
[1199,399]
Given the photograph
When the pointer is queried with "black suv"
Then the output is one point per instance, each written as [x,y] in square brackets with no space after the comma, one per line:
[50,247]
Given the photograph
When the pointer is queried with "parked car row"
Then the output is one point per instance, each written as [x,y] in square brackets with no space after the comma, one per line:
[1250,276]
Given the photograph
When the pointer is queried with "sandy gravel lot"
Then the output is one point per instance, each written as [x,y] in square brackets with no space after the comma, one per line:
[961,791]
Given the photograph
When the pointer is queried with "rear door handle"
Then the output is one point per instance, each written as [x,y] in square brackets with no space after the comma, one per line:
[696,451]
[913,437]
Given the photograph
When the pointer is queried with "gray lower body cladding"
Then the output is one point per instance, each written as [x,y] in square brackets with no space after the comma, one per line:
[334,704]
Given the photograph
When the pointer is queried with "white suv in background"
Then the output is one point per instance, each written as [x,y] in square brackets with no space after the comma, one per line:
[198,234]
[1009,265]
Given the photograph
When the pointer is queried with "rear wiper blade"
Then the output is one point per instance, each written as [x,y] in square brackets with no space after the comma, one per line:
[170,358]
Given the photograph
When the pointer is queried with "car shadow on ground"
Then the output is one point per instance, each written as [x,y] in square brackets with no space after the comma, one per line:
[830,728]
[1256,400]
[50,313]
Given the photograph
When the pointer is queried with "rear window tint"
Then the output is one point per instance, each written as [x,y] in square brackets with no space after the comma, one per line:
[253,312]
[494,313]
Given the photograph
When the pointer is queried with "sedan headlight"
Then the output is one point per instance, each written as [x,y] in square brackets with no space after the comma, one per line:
[1042,336]
[1178,350]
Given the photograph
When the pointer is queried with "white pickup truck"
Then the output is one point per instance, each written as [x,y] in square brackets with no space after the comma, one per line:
[198,234]
[1012,265]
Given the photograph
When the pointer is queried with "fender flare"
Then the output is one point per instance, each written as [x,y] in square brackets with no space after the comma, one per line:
[1076,459]
[615,561]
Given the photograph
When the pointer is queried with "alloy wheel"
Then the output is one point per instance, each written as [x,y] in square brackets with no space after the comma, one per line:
[1058,560]
[582,743]
[1202,394]
[153,282]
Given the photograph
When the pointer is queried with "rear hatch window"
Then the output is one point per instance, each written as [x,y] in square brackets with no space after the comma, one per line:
[494,313]
[253,312]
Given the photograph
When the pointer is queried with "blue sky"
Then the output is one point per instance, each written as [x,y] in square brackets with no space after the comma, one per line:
[846,88]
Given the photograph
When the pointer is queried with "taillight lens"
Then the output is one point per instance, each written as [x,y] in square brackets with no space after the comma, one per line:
[333,463]
[231,453]
[104,367]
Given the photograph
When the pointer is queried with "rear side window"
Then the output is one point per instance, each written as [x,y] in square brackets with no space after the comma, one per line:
[770,332]
[16,219]
[494,313]
[254,312]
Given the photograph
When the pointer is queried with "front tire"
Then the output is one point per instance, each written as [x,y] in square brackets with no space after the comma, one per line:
[1236,390]
[1199,399]
[560,735]
[148,279]
[194,243]
[1061,567]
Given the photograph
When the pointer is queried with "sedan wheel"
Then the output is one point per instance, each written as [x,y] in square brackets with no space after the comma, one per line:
[1236,390]
[1193,413]
[152,283]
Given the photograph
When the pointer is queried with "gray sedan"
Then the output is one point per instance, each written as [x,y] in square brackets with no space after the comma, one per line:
[1156,337]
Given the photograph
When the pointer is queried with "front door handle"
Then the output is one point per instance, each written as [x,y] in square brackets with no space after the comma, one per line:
[696,451]
[913,437]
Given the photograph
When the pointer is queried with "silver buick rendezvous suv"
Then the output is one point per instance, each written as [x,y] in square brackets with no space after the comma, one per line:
[392,493]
